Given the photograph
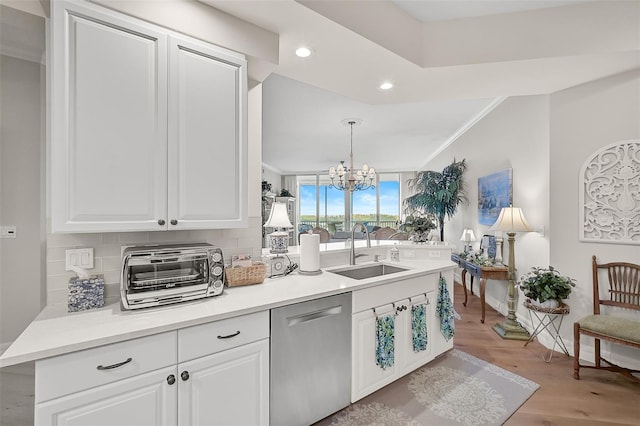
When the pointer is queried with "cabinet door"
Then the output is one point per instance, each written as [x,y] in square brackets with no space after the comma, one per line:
[366,375]
[409,359]
[148,399]
[227,388]
[207,137]
[108,121]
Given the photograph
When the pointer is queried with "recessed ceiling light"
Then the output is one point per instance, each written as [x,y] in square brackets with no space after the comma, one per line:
[386,85]
[303,52]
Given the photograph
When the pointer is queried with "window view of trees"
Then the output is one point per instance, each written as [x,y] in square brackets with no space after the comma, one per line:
[329,208]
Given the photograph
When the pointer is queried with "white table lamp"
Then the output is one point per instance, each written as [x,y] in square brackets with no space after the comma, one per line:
[511,220]
[467,236]
[278,219]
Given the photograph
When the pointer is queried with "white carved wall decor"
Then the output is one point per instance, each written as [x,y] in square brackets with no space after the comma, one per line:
[610,195]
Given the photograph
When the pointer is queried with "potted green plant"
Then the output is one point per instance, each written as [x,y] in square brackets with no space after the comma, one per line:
[438,193]
[418,227]
[545,287]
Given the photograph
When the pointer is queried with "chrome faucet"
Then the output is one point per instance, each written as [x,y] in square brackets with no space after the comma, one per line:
[352,257]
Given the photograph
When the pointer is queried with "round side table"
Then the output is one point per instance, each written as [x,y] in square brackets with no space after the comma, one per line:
[549,319]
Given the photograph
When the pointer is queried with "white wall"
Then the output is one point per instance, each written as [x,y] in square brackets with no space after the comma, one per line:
[514,135]
[546,140]
[583,120]
[21,148]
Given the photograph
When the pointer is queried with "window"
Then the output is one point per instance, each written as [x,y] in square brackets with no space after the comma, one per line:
[364,207]
[335,210]
[332,203]
[308,211]
[389,196]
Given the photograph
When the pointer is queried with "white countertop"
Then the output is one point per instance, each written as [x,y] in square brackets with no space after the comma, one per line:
[56,332]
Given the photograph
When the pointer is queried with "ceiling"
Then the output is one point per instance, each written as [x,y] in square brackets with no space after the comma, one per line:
[359,44]
[442,10]
[451,62]
[303,128]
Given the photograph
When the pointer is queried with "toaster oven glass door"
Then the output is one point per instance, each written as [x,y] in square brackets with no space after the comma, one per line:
[167,271]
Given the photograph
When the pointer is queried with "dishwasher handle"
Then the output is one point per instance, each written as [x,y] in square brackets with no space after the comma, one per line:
[310,316]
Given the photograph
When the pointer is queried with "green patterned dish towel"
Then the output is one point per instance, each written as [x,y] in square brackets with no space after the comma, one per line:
[419,327]
[444,309]
[385,341]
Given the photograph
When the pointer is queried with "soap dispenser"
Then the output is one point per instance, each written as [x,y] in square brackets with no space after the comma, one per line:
[395,254]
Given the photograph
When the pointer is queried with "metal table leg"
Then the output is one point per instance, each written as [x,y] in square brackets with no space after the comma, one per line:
[547,321]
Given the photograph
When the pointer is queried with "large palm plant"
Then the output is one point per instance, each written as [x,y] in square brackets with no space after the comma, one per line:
[438,194]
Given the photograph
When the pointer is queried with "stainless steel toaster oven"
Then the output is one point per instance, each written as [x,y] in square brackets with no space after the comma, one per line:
[155,275]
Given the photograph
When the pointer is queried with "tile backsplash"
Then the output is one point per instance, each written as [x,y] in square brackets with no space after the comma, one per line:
[108,247]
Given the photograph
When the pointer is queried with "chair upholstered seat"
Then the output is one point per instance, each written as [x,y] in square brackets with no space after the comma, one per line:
[616,327]
[623,281]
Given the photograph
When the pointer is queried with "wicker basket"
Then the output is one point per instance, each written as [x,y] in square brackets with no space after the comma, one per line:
[245,275]
[563,309]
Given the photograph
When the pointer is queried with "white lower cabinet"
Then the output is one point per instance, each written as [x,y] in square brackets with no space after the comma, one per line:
[220,376]
[394,298]
[366,375]
[147,399]
[228,388]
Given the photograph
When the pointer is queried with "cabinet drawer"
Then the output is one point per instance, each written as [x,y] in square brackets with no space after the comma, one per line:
[388,293]
[205,339]
[81,370]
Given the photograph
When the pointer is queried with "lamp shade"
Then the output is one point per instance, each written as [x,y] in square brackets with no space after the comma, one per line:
[278,217]
[468,235]
[511,219]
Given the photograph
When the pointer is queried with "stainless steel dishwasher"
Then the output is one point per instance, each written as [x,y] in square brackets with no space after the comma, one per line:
[310,360]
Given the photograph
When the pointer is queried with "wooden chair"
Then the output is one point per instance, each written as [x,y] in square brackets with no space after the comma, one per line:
[325,236]
[399,236]
[383,233]
[624,292]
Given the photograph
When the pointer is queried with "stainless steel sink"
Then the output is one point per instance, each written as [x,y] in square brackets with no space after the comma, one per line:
[367,271]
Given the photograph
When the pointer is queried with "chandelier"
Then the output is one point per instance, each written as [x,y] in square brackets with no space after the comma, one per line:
[345,178]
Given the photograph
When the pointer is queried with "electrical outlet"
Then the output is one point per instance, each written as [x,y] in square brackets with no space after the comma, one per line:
[434,253]
[82,258]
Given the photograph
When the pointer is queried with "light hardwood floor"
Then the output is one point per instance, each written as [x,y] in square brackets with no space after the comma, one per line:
[599,398]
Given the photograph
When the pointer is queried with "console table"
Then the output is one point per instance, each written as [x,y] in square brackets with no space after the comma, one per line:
[496,272]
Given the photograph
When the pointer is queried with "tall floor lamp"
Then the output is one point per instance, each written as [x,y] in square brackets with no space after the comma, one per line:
[511,220]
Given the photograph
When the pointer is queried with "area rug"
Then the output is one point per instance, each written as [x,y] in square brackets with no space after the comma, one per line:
[455,389]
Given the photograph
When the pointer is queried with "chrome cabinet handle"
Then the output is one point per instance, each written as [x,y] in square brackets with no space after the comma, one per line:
[111,367]
[174,221]
[229,336]
[184,375]
[171,379]
[161,222]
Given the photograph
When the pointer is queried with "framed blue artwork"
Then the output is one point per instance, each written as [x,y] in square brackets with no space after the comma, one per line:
[495,191]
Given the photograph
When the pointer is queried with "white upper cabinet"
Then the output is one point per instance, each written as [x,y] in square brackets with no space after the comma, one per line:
[206,135]
[147,127]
